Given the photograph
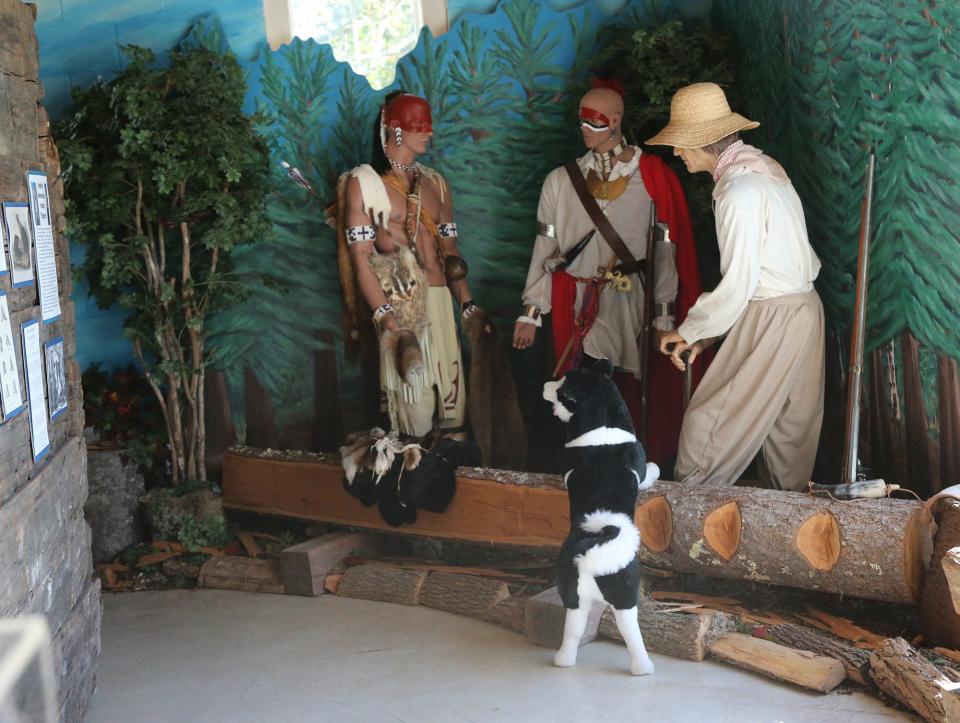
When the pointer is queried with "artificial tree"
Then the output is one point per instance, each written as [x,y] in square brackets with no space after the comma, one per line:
[164,176]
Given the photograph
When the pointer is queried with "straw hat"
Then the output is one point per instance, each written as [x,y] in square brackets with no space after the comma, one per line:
[699,116]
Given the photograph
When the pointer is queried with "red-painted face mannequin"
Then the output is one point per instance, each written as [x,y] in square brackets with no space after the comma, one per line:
[409,113]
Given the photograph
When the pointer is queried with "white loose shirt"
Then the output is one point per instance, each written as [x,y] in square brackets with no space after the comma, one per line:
[764,251]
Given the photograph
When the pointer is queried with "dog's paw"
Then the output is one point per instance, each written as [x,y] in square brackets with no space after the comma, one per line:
[642,666]
[565,659]
[652,474]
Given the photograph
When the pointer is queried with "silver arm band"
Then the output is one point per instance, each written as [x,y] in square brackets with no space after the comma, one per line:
[546,229]
[663,310]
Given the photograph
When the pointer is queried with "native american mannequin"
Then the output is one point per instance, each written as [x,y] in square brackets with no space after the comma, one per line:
[764,390]
[575,272]
[398,244]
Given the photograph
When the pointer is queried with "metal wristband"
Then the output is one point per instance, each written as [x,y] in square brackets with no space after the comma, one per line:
[663,310]
[546,229]
[532,311]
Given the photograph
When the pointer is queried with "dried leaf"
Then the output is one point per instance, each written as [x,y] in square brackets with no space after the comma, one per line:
[331,583]
[248,544]
[154,557]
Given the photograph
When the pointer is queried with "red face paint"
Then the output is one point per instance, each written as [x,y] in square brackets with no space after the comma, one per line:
[593,119]
[410,113]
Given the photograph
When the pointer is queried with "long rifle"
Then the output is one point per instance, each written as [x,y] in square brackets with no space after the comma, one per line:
[647,330]
[852,441]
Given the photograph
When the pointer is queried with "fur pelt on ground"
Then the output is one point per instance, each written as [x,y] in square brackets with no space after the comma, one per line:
[401,478]
[606,466]
[492,405]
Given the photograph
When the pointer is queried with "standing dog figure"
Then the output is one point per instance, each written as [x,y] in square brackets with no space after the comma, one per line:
[607,465]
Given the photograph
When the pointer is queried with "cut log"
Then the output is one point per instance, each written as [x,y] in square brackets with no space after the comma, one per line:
[855,660]
[951,569]
[545,616]
[304,567]
[509,613]
[939,618]
[868,548]
[383,583]
[240,573]
[799,667]
[678,634]
[902,673]
[462,594]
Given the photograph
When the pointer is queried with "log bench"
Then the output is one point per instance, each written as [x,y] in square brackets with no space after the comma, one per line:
[875,549]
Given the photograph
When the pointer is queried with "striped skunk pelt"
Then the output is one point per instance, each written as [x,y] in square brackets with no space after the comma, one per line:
[401,478]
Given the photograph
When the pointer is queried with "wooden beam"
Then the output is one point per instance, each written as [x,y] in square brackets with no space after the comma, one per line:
[481,511]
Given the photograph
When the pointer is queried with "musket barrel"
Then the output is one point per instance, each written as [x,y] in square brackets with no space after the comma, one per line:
[852,442]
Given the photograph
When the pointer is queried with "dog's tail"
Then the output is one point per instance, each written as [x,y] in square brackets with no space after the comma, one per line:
[601,537]
[610,544]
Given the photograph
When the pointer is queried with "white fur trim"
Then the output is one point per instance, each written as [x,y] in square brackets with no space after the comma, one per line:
[550,394]
[376,200]
[612,556]
[602,436]
[349,468]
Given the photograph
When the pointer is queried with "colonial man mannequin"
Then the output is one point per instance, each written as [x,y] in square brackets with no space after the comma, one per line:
[764,390]
[622,182]
[399,245]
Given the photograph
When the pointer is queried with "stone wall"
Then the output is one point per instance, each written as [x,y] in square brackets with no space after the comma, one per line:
[45,563]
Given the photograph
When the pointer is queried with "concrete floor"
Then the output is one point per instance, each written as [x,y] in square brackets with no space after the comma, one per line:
[211,656]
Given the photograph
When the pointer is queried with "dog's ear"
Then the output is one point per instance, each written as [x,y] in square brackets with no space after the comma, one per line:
[605,367]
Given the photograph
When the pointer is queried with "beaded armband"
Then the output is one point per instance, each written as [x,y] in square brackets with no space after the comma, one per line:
[468,308]
[356,234]
[381,311]
[447,230]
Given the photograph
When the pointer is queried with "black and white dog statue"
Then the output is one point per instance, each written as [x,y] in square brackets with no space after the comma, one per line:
[607,465]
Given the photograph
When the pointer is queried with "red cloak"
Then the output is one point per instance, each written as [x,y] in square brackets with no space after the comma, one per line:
[665,387]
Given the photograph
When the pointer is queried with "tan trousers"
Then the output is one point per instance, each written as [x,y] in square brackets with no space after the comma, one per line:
[445,396]
[763,392]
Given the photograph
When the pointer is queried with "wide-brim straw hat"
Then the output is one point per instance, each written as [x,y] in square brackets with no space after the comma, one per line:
[699,116]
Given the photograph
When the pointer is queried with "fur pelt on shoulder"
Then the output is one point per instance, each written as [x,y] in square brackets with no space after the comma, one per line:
[492,405]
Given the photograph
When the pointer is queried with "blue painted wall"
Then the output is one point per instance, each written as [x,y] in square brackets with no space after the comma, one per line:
[80,39]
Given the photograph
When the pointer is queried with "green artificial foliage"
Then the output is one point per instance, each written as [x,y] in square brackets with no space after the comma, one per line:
[165,176]
[209,532]
[653,62]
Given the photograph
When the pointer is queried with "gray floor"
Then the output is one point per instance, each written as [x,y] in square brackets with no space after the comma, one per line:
[219,656]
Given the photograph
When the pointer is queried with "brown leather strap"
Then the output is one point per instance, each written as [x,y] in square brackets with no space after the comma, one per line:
[602,223]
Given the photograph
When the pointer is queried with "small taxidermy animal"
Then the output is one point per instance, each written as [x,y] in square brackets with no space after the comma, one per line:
[405,285]
[607,465]
[401,478]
